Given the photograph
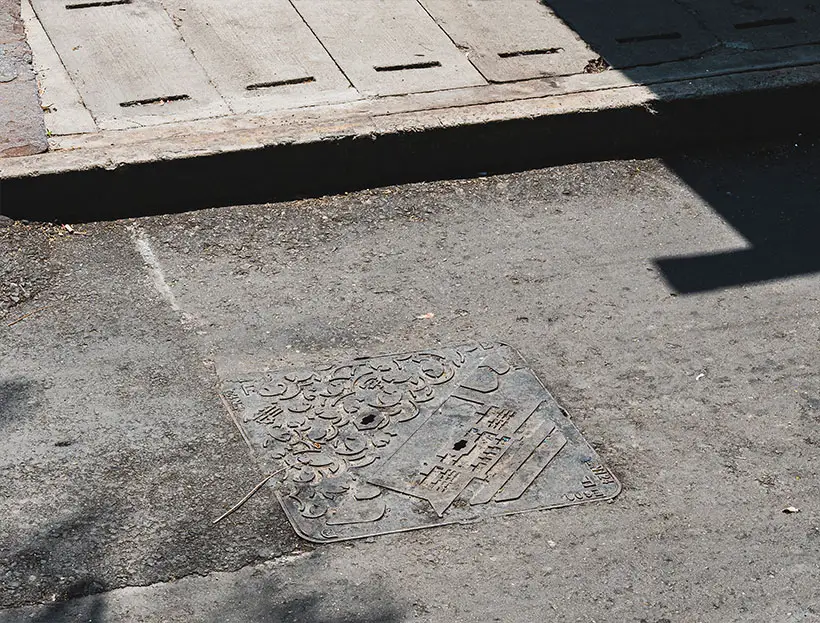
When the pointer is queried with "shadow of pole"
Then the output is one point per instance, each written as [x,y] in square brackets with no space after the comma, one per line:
[772,199]
[773,205]
[702,273]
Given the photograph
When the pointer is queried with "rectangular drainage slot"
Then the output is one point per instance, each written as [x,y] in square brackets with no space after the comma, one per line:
[538,52]
[763,23]
[155,100]
[662,36]
[89,5]
[422,65]
[280,83]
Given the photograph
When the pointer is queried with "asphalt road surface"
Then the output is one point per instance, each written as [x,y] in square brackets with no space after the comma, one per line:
[670,306]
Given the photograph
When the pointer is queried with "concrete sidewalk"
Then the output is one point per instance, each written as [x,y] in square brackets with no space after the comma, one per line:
[192,82]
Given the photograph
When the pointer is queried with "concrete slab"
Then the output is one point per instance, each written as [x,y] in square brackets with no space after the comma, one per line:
[761,24]
[259,54]
[410,138]
[561,109]
[628,33]
[111,52]
[22,131]
[65,112]
[388,47]
[508,44]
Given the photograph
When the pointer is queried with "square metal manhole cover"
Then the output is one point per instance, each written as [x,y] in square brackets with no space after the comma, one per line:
[399,442]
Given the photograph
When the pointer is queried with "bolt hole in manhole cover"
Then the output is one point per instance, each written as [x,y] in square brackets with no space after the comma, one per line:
[409,441]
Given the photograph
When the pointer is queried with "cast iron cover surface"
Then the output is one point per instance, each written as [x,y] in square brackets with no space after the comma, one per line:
[416,440]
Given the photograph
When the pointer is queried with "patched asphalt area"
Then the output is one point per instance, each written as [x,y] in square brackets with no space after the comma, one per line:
[117,454]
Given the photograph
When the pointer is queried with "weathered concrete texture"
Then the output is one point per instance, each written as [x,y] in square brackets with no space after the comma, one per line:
[22,131]
[511,42]
[130,64]
[63,107]
[259,54]
[153,170]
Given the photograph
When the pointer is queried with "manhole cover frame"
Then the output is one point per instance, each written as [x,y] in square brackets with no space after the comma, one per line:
[341,435]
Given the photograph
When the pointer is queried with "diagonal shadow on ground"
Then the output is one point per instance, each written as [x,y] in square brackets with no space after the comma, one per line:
[773,202]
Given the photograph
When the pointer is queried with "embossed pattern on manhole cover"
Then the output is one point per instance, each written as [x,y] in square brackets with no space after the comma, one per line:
[400,442]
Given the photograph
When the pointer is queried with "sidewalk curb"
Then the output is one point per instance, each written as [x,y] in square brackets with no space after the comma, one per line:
[368,151]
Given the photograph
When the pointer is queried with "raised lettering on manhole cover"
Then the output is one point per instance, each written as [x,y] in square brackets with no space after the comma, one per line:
[400,442]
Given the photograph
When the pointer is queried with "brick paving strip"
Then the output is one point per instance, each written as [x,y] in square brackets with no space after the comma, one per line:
[130,82]
[21,123]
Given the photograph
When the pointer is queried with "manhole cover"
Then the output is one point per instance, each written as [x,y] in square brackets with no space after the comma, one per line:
[400,442]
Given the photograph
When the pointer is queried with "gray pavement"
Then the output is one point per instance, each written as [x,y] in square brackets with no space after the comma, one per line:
[117,453]
[696,382]
[22,130]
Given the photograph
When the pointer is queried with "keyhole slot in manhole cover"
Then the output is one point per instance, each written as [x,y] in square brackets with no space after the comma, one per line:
[163,99]
[280,83]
